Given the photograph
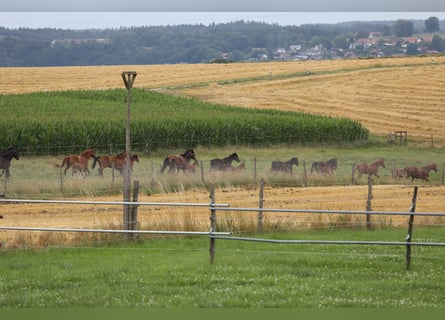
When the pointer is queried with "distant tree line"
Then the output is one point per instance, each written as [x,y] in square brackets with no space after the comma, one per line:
[198,43]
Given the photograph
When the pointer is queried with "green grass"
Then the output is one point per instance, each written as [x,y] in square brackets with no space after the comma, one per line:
[176,272]
[36,177]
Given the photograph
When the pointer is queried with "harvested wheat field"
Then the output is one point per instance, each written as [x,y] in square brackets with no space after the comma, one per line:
[386,95]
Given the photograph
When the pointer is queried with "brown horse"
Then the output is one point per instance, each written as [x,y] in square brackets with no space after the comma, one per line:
[225,163]
[77,163]
[117,162]
[241,167]
[398,173]
[327,167]
[284,166]
[422,173]
[370,169]
[5,160]
[176,163]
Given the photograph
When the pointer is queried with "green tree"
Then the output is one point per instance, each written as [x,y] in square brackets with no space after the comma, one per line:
[403,28]
[436,43]
[411,49]
[432,24]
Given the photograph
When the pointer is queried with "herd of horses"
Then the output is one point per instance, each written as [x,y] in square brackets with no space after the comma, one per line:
[183,163]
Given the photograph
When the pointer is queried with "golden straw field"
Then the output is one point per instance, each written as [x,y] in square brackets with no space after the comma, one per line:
[385,95]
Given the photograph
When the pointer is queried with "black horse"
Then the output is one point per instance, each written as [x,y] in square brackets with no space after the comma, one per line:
[284,166]
[225,163]
[5,160]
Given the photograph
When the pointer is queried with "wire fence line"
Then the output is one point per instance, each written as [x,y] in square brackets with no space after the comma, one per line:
[214,233]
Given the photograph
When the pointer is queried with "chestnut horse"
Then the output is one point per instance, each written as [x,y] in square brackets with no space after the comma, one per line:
[370,169]
[422,173]
[5,160]
[77,163]
[176,163]
[225,163]
[284,166]
[117,161]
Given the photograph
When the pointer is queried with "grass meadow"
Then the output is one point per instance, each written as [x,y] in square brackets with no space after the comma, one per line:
[176,272]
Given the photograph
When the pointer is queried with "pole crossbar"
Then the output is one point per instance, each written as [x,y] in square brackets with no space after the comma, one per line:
[400,213]
[172,204]
[339,242]
[201,233]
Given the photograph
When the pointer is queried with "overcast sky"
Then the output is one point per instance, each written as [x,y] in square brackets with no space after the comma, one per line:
[85,14]
[101,20]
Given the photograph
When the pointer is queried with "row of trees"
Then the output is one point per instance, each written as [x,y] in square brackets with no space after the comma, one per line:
[183,43]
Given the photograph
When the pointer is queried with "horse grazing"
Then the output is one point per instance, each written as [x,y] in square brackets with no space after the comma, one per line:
[327,167]
[225,163]
[117,162]
[370,169]
[420,173]
[77,163]
[284,166]
[176,163]
[5,160]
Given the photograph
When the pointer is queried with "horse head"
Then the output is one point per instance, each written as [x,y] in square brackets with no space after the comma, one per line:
[189,154]
[235,157]
[294,160]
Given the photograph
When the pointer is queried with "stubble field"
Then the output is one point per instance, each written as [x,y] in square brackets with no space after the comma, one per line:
[384,94]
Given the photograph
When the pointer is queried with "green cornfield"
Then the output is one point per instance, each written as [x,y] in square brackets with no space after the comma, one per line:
[70,121]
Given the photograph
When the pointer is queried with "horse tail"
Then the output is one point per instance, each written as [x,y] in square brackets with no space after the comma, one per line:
[165,164]
[66,161]
[96,159]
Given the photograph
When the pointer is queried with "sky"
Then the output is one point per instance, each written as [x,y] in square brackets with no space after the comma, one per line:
[103,20]
[101,14]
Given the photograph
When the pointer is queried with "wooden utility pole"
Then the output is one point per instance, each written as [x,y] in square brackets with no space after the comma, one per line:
[128,77]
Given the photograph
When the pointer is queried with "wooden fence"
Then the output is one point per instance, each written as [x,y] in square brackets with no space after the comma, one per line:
[213,233]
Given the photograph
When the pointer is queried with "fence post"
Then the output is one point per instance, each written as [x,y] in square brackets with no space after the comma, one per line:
[254,168]
[212,223]
[304,174]
[260,205]
[369,202]
[61,180]
[202,172]
[353,175]
[134,210]
[112,172]
[410,229]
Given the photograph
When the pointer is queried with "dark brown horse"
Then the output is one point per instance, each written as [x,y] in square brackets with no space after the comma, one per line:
[77,163]
[5,160]
[284,166]
[422,173]
[181,162]
[371,169]
[117,162]
[327,167]
[225,163]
